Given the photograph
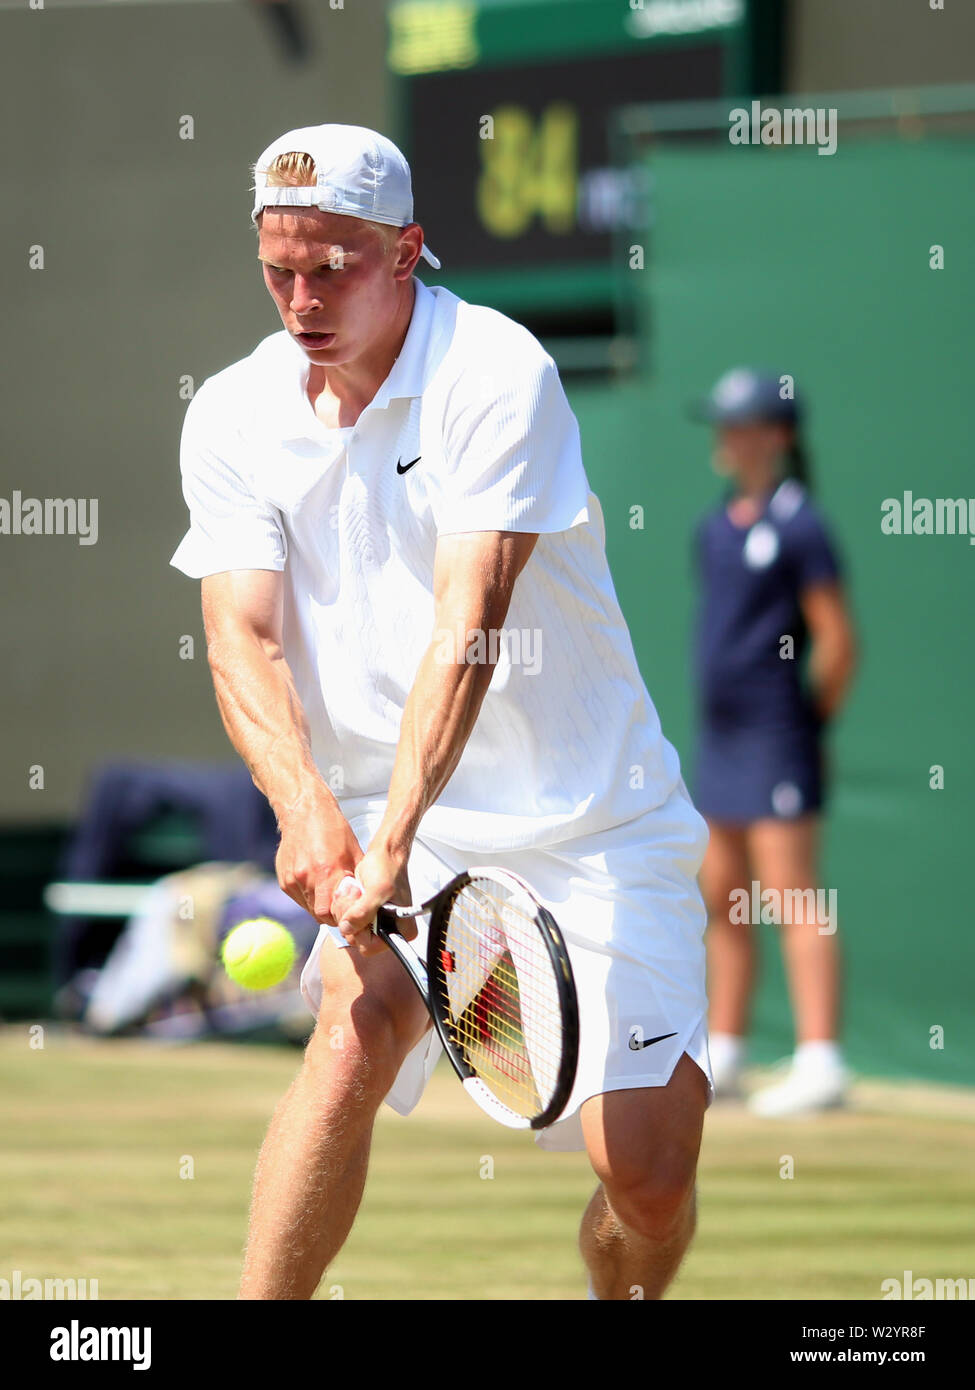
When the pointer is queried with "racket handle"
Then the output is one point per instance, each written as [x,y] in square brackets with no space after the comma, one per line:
[386,926]
[334,932]
[388,920]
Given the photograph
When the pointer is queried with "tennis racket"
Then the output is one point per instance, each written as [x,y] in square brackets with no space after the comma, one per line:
[498,984]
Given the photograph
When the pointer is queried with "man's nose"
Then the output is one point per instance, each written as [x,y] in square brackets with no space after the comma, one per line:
[305,295]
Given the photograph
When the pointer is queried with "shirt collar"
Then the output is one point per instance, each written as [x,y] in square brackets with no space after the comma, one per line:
[407,376]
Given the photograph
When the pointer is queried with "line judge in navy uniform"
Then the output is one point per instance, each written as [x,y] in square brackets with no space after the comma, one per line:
[775,653]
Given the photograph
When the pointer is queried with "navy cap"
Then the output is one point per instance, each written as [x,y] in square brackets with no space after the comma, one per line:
[743,395]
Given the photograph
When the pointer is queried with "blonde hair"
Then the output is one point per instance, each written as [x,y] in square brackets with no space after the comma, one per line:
[293,170]
[297,170]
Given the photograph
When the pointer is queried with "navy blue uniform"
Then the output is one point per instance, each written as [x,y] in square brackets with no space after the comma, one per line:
[759,737]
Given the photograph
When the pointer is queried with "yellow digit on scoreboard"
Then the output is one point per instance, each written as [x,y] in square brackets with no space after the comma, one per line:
[558,167]
[529,169]
[504,194]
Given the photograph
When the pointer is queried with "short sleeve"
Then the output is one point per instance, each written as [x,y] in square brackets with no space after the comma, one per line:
[230,529]
[815,558]
[512,454]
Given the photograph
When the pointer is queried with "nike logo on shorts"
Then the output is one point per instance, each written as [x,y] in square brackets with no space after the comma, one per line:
[405,467]
[636,1044]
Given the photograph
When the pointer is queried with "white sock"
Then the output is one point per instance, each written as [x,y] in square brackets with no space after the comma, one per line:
[590,1294]
[822,1055]
[725,1050]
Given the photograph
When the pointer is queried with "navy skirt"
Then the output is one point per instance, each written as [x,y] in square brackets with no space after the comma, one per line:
[745,775]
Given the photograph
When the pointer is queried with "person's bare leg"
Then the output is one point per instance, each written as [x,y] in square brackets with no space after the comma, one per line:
[730,945]
[312,1168]
[624,1264]
[643,1145]
[784,855]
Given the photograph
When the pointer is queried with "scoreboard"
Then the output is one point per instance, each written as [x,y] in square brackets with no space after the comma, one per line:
[503,108]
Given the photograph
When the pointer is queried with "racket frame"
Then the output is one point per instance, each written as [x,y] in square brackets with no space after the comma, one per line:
[433,991]
[439,908]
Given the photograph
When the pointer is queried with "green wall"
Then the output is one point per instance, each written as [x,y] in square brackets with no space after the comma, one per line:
[149,278]
[819,266]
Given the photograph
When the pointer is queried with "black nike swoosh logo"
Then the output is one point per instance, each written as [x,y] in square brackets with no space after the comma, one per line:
[405,467]
[635,1046]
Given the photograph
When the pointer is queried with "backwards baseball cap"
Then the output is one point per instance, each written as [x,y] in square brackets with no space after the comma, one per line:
[358,173]
[742,395]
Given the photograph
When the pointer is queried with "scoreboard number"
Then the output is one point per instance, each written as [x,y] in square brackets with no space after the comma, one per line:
[529,169]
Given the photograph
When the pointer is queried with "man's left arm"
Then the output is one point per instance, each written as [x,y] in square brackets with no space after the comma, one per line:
[474,577]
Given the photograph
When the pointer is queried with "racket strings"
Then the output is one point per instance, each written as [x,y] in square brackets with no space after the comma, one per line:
[501,997]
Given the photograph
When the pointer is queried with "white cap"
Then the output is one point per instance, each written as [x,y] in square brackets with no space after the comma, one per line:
[358,173]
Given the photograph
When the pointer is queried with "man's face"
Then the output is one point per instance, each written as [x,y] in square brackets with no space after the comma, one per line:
[332,279]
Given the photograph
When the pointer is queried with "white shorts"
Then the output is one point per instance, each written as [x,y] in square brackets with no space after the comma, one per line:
[633,919]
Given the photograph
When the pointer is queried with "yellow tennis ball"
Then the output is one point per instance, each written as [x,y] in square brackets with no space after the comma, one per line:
[259,953]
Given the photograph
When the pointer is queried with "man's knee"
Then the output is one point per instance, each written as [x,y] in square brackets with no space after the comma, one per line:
[657,1204]
[644,1145]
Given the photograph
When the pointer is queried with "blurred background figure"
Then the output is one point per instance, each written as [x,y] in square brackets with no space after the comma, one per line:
[775,654]
[165,859]
[140,819]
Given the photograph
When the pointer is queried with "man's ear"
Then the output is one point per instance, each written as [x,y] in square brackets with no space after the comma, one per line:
[407,250]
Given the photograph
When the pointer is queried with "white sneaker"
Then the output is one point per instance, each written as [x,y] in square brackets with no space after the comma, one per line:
[805,1091]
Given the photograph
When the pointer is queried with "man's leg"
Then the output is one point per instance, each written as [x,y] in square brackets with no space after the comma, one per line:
[312,1168]
[643,1145]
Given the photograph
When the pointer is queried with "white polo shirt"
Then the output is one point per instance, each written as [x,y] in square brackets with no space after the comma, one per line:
[471,431]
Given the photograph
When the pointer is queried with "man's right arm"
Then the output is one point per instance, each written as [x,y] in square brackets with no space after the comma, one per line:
[263,716]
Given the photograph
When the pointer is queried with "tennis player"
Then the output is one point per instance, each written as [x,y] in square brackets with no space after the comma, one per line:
[775,657]
[417,649]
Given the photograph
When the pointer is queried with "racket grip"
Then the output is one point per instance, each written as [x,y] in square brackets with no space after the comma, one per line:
[334,932]
[387,920]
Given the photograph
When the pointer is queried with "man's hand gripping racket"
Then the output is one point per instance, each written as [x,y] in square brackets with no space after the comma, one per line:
[498,985]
